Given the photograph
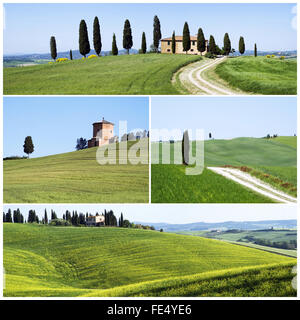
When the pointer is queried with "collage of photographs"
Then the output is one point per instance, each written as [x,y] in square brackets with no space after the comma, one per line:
[149,150]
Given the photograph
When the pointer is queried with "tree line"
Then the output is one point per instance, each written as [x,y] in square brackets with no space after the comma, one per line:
[213,48]
[70,219]
[84,43]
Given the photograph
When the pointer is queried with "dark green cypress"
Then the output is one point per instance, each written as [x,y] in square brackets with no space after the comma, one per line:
[201,45]
[97,36]
[144,44]
[156,33]
[241,45]
[185,148]
[53,48]
[186,39]
[173,43]
[114,48]
[255,50]
[212,45]
[71,55]
[84,44]
[227,44]
[28,146]
[127,36]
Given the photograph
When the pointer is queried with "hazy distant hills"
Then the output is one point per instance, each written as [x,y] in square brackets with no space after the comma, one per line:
[66,54]
[242,225]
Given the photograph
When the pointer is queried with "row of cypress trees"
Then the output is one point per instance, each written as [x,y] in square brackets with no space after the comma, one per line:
[201,45]
[84,44]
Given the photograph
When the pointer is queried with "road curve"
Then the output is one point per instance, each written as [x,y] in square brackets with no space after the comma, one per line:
[254,184]
[194,77]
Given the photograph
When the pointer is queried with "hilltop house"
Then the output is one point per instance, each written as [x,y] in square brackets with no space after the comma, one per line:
[103,133]
[166,45]
[95,221]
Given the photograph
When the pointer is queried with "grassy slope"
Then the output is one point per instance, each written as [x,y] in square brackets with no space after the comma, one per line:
[133,74]
[267,155]
[74,177]
[260,75]
[69,261]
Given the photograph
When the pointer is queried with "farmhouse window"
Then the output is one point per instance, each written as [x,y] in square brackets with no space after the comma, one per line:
[193,42]
[168,43]
[168,50]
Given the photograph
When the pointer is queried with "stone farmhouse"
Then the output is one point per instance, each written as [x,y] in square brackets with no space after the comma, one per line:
[103,133]
[95,221]
[166,45]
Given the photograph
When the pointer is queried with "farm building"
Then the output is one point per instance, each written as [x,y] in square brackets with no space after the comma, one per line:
[166,45]
[95,221]
[103,133]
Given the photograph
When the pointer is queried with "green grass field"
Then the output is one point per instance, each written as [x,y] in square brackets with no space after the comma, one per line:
[68,261]
[276,157]
[260,75]
[133,74]
[74,177]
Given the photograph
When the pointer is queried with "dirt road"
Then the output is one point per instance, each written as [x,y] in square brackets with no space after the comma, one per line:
[254,184]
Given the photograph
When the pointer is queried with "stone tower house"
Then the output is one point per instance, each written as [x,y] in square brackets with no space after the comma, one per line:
[103,133]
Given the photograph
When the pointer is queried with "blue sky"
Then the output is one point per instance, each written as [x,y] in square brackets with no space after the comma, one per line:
[56,122]
[226,117]
[174,213]
[28,27]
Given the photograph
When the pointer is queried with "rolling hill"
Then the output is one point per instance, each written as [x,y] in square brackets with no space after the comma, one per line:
[125,74]
[260,75]
[74,177]
[68,261]
[272,160]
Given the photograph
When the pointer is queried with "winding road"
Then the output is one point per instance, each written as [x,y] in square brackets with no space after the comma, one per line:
[254,184]
[191,77]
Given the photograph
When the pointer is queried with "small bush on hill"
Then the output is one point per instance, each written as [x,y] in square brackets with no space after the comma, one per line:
[92,56]
[60,222]
[209,55]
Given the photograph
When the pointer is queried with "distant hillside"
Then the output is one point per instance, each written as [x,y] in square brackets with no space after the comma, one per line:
[40,58]
[241,225]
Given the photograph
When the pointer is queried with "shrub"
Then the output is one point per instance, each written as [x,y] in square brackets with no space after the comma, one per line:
[268,56]
[209,55]
[60,222]
[273,55]
[92,56]
[282,58]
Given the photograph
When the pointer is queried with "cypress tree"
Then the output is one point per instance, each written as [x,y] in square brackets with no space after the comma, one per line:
[71,55]
[4,217]
[212,45]
[201,47]
[185,148]
[28,146]
[241,45]
[97,36]
[53,48]
[186,39]
[84,44]
[114,48]
[46,217]
[173,43]
[121,220]
[156,33]
[8,216]
[255,50]
[227,44]
[144,44]
[127,36]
